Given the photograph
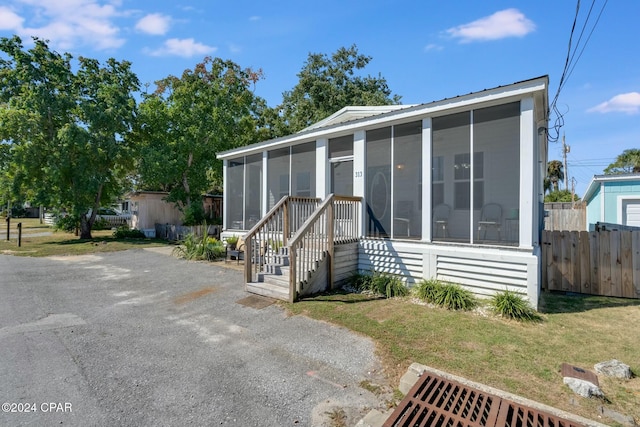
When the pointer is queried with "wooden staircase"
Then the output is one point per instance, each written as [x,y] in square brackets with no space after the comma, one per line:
[273,281]
[289,252]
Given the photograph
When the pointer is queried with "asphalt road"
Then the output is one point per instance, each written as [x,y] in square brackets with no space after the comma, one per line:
[141,338]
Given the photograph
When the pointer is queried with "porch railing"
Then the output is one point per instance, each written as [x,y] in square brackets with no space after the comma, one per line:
[263,241]
[335,221]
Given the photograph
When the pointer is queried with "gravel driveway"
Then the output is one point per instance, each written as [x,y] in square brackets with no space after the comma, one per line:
[141,338]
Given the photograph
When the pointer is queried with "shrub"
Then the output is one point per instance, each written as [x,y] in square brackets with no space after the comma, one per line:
[454,297]
[101,224]
[194,214]
[510,304]
[202,248]
[383,284]
[426,289]
[123,232]
[68,223]
[388,285]
[359,281]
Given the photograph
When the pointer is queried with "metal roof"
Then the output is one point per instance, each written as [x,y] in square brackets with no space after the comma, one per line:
[593,185]
[306,135]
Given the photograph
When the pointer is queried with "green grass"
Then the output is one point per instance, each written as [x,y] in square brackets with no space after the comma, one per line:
[62,243]
[522,358]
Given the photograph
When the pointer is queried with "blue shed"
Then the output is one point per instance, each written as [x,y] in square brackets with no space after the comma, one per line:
[613,199]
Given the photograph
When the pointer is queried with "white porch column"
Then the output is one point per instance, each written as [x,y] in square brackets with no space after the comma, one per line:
[264,203]
[528,164]
[426,179]
[359,173]
[322,168]
[225,183]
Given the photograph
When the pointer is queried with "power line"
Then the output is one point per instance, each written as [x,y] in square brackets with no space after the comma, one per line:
[570,63]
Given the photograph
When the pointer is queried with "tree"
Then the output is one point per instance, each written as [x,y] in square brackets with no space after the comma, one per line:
[560,196]
[555,174]
[187,121]
[626,162]
[66,130]
[327,84]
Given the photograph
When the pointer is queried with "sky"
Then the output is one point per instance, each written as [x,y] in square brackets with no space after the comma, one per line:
[427,50]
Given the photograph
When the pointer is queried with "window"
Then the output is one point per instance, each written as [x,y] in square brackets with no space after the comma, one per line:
[253,190]
[303,170]
[278,180]
[437,180]
[407,176]
[235,194]
[379,182]
[461,174]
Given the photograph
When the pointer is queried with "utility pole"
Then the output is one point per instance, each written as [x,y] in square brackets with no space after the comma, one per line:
[573,193]
[565,149]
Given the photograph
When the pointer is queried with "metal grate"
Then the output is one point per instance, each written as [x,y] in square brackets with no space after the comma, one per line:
[437,402]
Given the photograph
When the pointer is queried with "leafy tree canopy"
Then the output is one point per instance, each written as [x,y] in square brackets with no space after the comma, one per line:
[626,162]
[64,130]
[327,84]
[560,196]
[187,121]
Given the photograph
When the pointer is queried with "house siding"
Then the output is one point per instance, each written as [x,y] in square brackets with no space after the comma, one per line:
[604,204]
[484,271]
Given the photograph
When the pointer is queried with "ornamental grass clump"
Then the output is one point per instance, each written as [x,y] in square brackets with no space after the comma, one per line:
[387,285]
[426,290]
[513,306]
[454,297]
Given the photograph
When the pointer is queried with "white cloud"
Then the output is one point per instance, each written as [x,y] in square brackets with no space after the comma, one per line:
[9,20]
[624,103]
[234,48]
[185,48]
[69,23]
[500,25]
[255,18]
[155,24]
[433,47]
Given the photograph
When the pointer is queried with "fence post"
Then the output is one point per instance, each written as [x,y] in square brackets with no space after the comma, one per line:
[19,234]
[8,225]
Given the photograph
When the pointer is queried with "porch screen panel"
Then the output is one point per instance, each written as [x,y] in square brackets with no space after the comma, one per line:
[450,204]
[303,170]
[341,146]
[407,180]
[378,195]
[235,193]
[252,190]
[277,175]
[496,143]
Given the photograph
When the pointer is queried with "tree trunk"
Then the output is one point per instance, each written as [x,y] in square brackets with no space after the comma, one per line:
[85,227]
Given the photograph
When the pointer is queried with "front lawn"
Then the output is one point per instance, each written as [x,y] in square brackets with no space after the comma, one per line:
[42,240]
[522,358]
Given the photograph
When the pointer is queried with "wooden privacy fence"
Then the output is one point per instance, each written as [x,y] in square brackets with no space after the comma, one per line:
[598,263]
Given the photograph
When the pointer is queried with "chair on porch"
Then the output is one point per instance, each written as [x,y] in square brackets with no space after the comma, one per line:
[237,252]
[490,217]
[441,219]
[404,210]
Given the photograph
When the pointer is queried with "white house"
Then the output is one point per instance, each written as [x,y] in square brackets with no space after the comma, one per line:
[451,189]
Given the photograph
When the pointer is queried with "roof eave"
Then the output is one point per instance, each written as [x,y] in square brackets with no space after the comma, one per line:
[519,89]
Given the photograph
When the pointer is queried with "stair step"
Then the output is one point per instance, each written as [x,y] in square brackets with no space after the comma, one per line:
[274,279]
[268,290]
[278,259]
[276,269]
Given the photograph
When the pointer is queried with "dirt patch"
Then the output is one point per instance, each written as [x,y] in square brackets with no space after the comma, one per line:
[192,296]
[256,301]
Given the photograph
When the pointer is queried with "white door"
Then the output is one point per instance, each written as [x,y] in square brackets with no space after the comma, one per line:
[631,212]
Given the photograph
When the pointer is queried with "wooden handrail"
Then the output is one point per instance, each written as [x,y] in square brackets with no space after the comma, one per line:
[276,226]
[317,236]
